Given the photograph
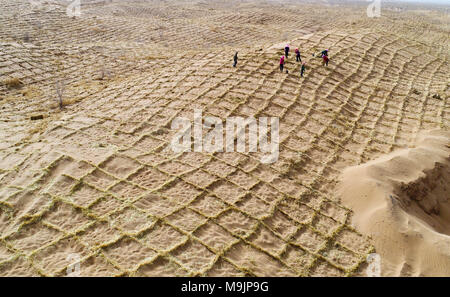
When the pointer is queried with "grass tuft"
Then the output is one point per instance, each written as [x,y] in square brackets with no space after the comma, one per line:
[13,83]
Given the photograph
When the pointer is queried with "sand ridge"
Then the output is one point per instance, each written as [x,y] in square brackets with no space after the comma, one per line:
[402,201]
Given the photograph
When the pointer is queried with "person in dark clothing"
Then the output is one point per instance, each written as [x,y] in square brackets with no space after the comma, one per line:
[286,50]
[302,70]
[297,55]
[235,58]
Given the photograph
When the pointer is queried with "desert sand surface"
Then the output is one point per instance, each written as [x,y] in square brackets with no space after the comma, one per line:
[402,201]
[96,182]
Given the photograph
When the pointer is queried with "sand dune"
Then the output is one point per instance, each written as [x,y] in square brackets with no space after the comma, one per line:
[402,201]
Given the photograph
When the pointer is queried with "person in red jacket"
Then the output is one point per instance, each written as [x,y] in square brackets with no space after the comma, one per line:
[325,60]
[282,63]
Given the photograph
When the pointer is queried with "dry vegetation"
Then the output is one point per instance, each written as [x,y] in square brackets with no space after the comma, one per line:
[12,83]
[98,179]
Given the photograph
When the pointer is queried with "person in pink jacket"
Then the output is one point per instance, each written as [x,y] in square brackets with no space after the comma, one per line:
[282,63]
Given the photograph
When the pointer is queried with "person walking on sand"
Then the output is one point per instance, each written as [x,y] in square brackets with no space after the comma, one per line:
[302,70]
[286,50]
[282,63]
[297,55]
[235,58]
[325,60]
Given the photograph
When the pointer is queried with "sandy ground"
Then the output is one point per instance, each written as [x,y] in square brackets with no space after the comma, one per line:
[402,201]
[98,179]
